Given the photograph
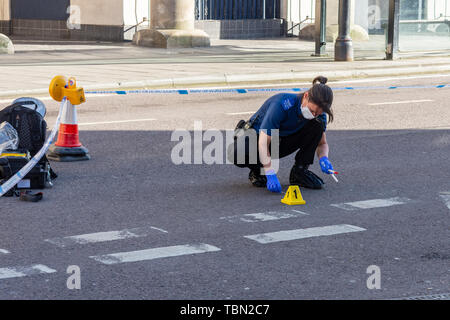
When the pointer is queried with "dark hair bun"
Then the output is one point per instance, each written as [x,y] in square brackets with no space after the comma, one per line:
[320,79]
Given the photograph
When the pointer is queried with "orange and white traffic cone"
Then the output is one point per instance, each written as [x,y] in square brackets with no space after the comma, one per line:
[68,146]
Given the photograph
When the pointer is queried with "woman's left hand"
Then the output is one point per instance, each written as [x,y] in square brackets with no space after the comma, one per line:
[273,184]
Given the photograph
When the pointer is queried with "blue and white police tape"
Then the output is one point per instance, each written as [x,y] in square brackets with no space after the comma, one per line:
[15,179]
[253,90]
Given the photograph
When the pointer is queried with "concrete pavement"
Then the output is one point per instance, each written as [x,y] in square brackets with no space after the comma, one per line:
[226,63]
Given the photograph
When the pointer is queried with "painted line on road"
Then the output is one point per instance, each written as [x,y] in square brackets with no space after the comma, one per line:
[371,204]
[10,101]
[155,253]
[289,235]
[17,272]
[51,99]
[4,251]
[104,236]
[398,102]
[446,197]
[264,216]
[239,113]
[114,122]
[384,79]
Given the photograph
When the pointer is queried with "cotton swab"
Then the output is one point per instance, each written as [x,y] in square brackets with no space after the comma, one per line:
[333,175]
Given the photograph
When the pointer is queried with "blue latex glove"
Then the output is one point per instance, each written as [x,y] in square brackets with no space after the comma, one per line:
[325,165]
[273,184]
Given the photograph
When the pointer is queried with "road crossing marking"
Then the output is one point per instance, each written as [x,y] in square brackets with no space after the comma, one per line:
[17,272]
[4,251]
[288,235]
[398,102]
[264,216]
[114,122]
[51,99]
[104,236]
[155,253]
[239,113]
[370,204]
[446,197]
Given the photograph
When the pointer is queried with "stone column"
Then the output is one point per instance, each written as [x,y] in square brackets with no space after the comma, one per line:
[5,11]
[6,45]
[172,26]
[5,16]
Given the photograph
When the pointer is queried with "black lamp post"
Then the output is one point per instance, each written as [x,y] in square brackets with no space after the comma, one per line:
[343,48]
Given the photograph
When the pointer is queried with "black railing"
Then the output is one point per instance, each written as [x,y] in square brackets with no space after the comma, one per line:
[236,9]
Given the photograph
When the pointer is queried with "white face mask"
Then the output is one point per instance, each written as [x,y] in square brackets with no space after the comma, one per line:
[307,113]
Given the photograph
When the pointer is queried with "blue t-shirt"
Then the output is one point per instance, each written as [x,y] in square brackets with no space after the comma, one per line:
[283,112]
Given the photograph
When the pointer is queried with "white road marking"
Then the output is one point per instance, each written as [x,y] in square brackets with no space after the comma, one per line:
[446,197]
[114,122]
[398,102]
[11,100]
[370,204]
[104,236]
[301,212]
[264,216]
[155,253]
[3,251]
[88,95]
[249,86]
[297,234]
[16,272]
[392,78]
[95,95]
[239,113]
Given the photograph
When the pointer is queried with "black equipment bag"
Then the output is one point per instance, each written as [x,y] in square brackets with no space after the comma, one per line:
[32,130]
[30,125]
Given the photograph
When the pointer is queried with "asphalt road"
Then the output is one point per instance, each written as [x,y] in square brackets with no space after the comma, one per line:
[395,154]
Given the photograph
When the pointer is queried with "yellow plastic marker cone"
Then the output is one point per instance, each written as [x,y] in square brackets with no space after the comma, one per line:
[293,196]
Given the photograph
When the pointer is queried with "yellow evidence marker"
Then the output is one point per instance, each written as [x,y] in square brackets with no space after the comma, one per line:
[293,196]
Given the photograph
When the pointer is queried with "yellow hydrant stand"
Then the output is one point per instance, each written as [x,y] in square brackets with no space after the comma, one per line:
[68,146]
[60,88]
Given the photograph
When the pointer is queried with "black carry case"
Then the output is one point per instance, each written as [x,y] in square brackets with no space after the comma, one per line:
[11,161]
[31,128]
